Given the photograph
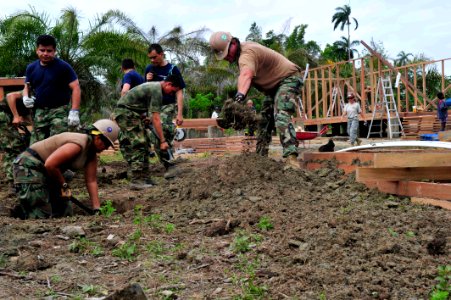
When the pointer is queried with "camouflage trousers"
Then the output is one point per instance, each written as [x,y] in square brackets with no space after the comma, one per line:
[167,115]
[133,139]
[276,112]
[12,143]
[48,122]
[353,129]
[38,197]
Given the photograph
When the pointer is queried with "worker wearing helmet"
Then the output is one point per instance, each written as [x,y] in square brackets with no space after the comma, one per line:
[276,77]
[38,171]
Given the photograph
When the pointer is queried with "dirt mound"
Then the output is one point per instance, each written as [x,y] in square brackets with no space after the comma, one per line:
[238,227]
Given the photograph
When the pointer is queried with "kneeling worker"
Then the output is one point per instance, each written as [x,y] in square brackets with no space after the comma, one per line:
[38,178]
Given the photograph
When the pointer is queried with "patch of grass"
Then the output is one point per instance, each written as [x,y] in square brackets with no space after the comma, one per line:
[55,278]
[129,250]
[106,159]
[126,251]
[85,246]
[265,223]
[169,228]
[392,232]
[91,289]
[442,289]
[205,155]
[410,234]
[3,260]
[243,242]
[107,209]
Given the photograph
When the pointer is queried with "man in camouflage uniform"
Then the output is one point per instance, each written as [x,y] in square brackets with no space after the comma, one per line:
[172,107]
[53,88]
[275,76]
[12,140]
[131,114]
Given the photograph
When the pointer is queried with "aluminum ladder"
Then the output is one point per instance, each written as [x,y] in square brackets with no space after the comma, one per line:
[385,105]
[336,91]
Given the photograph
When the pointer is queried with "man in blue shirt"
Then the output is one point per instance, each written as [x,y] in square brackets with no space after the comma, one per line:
[158,70]
[54,85]
[131,77]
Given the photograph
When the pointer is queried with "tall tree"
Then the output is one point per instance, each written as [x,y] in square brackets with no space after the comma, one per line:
[342,18]
[402,58]
[255,33]
[347,47]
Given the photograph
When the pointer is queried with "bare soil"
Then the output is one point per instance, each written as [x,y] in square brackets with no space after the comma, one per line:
[231,227]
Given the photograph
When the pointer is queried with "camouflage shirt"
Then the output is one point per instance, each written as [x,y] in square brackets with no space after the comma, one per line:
[144,98]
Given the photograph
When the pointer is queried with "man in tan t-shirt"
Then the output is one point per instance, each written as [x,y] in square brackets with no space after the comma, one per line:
[275,76]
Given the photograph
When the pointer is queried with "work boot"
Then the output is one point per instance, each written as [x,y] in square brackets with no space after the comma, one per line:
[140,180]
[358,141]
[292,162]
[171,172]
[141,184]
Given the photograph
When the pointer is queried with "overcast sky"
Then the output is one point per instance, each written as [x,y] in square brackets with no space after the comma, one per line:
[415,26]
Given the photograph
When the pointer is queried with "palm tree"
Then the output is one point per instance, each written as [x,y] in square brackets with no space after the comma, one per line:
[342,18]
[94,54]
[403,58]
[347,47]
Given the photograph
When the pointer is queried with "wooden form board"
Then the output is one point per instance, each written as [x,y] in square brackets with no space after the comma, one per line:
[412,159]
[441,191]
[397,174]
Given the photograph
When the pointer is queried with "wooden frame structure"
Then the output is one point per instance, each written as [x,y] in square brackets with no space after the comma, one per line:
[6,82]
[360,76]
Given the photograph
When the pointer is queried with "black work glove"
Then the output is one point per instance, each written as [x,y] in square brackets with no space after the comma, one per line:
[239,97]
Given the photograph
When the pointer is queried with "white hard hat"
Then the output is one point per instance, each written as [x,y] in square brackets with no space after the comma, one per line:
[108,129]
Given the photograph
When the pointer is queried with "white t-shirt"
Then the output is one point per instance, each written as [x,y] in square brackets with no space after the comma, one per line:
[214,115]
[352,110]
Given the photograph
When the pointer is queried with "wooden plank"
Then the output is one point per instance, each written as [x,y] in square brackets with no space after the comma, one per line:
[395,174]
[411,159]
[13,81]
[349,158]
[427,201]
[440,191]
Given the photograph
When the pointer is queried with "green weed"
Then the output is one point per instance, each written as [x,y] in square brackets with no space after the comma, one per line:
[90,289]
[442,289]
[129,249]
[106,159]
[169,228]
[55,278]
[126,251]
[265,223]
[107,209]
[85,246]
[392,232]
[3,260]
[243,242]
[410,234]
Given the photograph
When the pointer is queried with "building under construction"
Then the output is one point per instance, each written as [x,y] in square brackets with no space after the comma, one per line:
[384,91]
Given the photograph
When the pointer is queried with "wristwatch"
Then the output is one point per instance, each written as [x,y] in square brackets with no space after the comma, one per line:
[65,185]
